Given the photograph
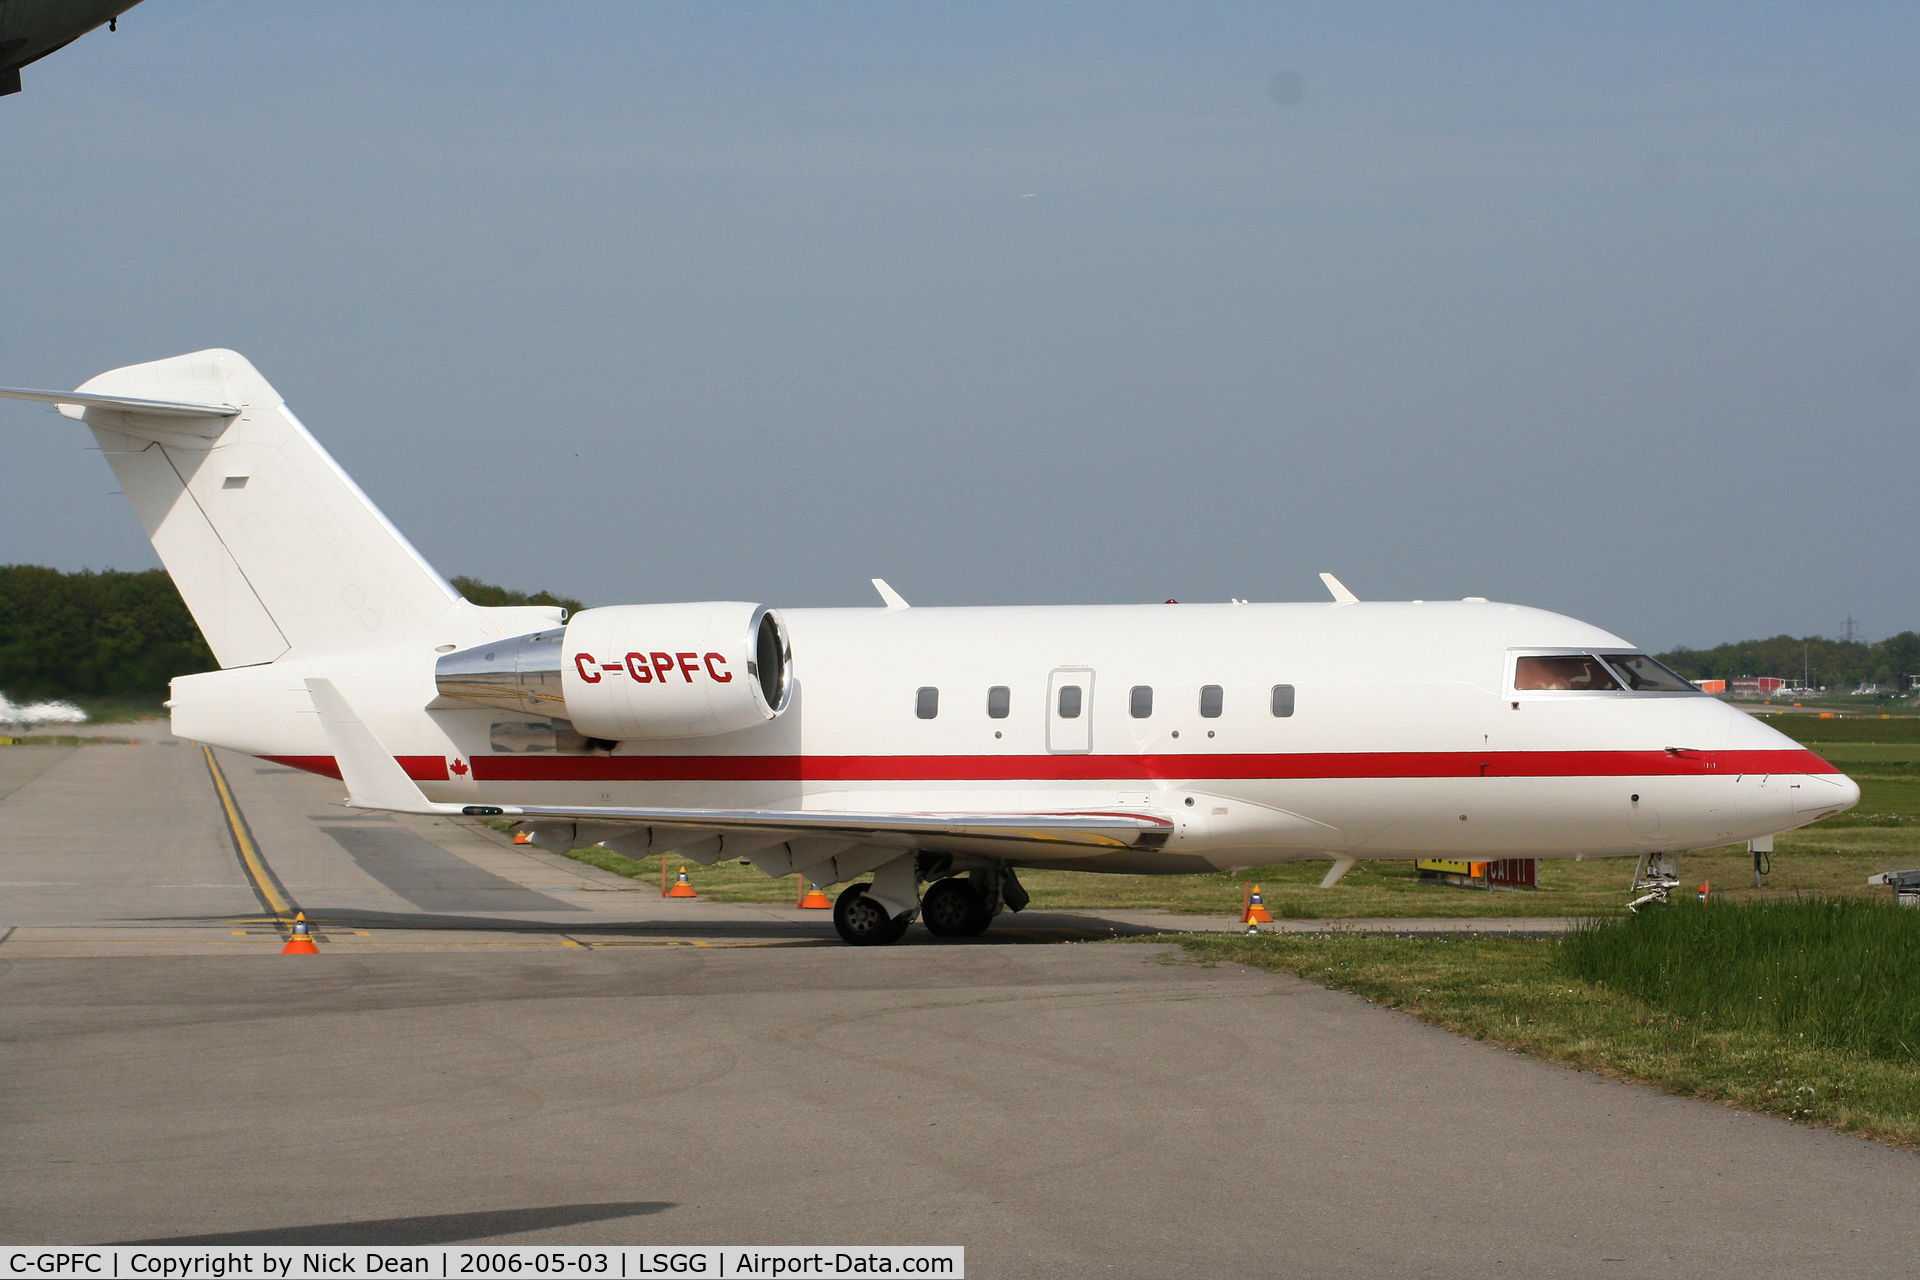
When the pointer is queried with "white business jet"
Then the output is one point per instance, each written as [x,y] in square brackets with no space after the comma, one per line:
[895,747]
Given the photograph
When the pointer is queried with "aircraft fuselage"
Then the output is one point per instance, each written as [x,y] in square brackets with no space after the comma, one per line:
[1403,734]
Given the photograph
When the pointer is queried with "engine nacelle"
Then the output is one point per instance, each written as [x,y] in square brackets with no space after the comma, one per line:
[636,671]
[674,670]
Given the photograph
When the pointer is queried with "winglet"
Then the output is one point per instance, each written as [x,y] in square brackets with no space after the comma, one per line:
[892,597]
[1340,593]
[374,779]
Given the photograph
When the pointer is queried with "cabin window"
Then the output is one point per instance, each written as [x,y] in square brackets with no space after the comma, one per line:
[1140,701]
[999,699]
[1210,699]
[926,703]
[1563,671]
[1642,674]
[1070,701]
[1283,700]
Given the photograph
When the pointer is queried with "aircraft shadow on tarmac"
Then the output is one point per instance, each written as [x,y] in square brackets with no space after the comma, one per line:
[436,1228]
[1028,927]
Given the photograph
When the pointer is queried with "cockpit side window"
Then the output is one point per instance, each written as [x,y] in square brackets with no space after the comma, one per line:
[1642,674]
[1562,671]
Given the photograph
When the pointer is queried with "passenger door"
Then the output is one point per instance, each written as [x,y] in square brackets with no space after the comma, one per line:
[1070,711]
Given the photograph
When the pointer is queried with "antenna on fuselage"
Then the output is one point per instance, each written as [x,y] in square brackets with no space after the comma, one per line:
[1340,593]
[893,598]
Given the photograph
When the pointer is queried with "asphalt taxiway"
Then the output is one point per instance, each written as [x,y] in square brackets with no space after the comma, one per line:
[501,1045]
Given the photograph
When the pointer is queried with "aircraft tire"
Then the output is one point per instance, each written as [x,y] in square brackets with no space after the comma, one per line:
[952,908]
[862,922]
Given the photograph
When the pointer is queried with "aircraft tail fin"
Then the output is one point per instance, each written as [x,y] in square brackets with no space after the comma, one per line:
[273,547]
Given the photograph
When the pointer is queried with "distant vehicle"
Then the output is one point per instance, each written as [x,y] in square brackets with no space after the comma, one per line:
[945,747]
[32,29]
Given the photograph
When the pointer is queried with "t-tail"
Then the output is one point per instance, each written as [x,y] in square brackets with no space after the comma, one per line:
[275,550]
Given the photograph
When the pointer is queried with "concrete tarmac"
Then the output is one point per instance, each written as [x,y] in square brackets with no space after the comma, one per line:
[558,1063]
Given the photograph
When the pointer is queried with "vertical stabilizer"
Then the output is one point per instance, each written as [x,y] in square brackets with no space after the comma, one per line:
[275,550]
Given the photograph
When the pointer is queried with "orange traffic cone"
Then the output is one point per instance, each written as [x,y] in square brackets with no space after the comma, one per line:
[301,943]
[683,887]
[1255,911]
[816,900]
[521,837]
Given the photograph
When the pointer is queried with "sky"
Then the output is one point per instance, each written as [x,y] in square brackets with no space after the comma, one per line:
[1610,310]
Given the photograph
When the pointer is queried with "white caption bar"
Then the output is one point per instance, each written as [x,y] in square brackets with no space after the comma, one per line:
[463,1262]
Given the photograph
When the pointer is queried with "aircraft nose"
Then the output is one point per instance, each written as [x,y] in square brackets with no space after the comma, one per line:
[1822,794]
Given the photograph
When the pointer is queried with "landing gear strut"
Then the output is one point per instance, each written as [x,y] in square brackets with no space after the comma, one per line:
[1655,877]
[863,922]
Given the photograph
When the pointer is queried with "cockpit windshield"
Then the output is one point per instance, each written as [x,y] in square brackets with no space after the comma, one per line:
[1643,675]
[1562,671]
[1590,673]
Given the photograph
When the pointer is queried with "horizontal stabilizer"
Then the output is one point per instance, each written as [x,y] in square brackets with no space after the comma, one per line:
[127,404]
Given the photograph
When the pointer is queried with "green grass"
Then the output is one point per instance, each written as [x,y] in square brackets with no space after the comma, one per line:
[723,882]
[1841,704]
[1520,996]
[1836,972]
[1855,726]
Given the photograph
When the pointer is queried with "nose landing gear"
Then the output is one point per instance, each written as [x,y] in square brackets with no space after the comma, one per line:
[1655,877]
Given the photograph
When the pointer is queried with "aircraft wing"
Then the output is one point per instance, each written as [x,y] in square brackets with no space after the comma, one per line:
[375,780]
[1111,829]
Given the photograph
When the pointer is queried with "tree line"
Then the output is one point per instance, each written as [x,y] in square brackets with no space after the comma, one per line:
[1835,664]
[112,634]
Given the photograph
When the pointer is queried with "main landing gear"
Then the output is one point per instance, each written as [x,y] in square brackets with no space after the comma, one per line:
[863,922]
[959,906]
[953,908]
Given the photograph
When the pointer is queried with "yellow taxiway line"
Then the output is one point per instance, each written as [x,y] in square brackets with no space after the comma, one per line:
[263,882]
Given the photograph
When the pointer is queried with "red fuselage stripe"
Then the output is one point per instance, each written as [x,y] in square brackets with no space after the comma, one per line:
[1091,768]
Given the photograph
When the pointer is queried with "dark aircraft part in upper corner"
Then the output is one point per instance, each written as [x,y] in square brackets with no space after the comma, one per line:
[32,29]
